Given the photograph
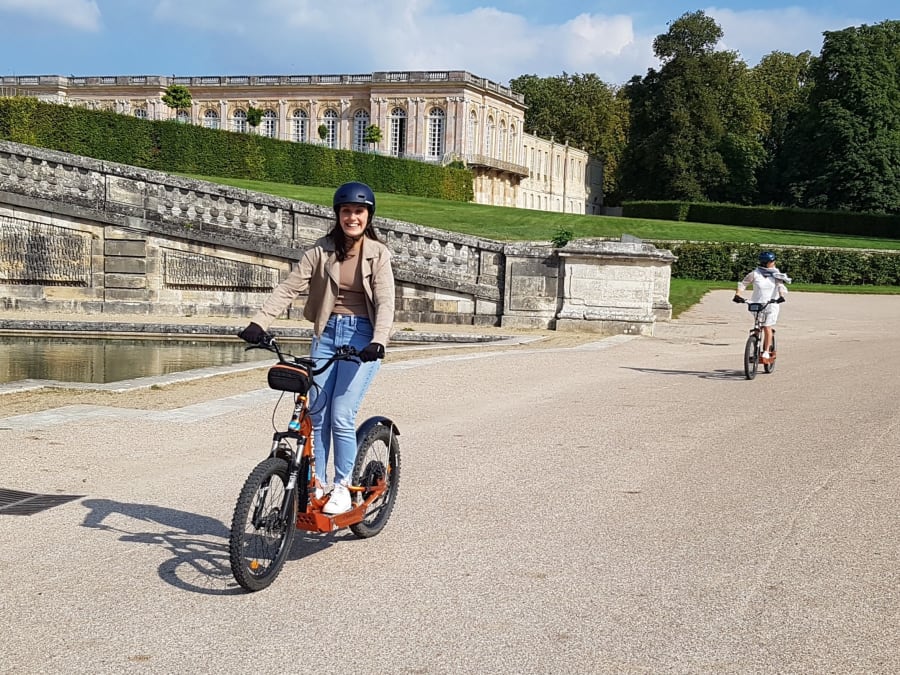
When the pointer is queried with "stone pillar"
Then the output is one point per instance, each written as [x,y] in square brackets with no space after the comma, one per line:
[283,131]
[531,289]
[345,126]
[613,287]
[314,122]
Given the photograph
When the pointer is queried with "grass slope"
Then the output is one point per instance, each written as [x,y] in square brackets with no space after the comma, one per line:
[506,224]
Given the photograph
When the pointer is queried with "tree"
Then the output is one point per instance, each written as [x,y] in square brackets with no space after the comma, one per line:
[780,84]
[581,110]
[177,97]
[254,116]
[323,132]
[692,34]
[695,125]
[372,135]
[845,148]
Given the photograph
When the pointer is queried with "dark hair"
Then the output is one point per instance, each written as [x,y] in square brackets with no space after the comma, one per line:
[340,239]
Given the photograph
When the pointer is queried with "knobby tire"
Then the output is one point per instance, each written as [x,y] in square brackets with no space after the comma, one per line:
[260,539]
[769,367]
[751,357]
[378,454]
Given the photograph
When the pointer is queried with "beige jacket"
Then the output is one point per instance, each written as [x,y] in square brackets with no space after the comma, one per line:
[318,273]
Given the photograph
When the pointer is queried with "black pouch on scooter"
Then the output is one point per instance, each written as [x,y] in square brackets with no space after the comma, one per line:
[290,377]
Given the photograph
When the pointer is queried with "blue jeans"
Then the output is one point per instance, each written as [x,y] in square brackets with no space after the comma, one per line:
[341,388]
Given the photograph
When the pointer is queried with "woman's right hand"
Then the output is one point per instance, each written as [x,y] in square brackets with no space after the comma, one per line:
[253,334]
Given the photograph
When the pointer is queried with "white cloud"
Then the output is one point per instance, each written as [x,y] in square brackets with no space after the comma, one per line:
[755,33]
[78,14]
[605,45]
[359,36]
[362,36]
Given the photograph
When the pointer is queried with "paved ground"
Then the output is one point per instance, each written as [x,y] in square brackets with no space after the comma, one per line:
[623,505]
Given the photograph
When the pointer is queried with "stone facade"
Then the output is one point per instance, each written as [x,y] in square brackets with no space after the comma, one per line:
[432,116]
[86,236]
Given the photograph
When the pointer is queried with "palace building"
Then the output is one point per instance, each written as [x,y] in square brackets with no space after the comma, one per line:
[429,116]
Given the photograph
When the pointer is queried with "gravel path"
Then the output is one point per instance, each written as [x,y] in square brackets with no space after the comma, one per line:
[626,505]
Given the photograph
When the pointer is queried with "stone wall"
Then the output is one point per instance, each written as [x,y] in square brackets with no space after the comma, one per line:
[81,235]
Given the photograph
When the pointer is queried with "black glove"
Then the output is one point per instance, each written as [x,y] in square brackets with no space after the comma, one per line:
[737,298]
[253,334]
[370,352]
[780,300]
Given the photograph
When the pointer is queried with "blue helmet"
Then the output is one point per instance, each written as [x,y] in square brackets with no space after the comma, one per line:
[355,193]
[766,257]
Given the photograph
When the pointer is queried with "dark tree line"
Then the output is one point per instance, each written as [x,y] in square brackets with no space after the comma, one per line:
[795,130]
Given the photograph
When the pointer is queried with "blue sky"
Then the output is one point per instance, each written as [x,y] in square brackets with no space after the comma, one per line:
[496,39]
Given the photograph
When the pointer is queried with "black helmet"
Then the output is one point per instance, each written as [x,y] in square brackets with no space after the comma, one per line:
[355,193]
[766,257]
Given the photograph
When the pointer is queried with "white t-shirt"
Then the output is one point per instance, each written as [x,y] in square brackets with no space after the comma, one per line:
[765,287]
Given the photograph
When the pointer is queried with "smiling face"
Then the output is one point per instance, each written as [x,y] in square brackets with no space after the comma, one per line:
[353,219]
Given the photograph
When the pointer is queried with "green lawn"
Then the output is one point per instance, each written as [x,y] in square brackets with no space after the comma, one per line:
[506,224]
[685,293]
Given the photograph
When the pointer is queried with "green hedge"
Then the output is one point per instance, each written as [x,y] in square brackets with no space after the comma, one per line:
[731,262]
[769,217]
[174,147]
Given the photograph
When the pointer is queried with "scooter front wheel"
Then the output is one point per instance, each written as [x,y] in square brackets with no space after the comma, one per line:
[262,529]
[751,356]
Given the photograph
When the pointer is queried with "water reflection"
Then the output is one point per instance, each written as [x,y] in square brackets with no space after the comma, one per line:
[103,360]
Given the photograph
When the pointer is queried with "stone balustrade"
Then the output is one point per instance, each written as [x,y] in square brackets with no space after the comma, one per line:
[78,234]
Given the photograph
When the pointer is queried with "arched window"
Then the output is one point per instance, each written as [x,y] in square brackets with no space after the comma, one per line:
[360,124]
[183,116]
[270,124]
[501,141]
[300,126]
[489,137]
[436,133]
[211,119]
[330,120]
[140,113]
[398,132]
[239,121]
[513,144]
[472,133]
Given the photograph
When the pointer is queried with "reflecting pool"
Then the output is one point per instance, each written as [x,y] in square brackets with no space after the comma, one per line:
[102,360]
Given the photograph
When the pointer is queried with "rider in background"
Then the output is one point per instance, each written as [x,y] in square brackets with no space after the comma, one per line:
[348,276]
[768,284]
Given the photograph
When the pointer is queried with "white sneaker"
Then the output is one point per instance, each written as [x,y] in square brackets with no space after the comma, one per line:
[339,501]
[765,355]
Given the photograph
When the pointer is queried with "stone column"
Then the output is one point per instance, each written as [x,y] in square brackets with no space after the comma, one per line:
[283,133]
[314,121]
[345,126]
